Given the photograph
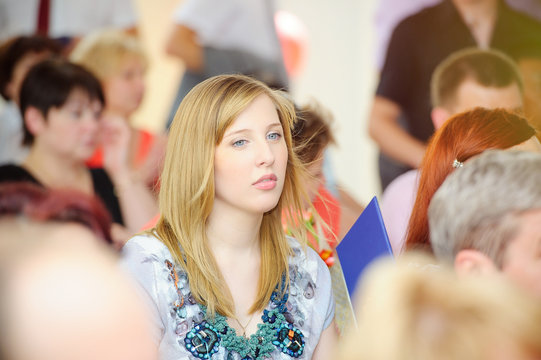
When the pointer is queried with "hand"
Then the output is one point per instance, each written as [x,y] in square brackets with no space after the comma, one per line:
[120,235]
[116,142]
[150,170]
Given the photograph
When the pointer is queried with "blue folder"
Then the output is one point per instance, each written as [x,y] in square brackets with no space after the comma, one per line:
[366,241]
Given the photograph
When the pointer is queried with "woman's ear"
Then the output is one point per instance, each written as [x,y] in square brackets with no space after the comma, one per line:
[469,261]
[34,120]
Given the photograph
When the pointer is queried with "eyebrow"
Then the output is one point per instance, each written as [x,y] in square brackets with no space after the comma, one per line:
[241,131]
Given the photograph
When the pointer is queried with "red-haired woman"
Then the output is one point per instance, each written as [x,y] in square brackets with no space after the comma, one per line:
[463,136]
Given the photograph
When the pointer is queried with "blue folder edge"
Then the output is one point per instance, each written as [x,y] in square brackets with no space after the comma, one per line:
[366,241]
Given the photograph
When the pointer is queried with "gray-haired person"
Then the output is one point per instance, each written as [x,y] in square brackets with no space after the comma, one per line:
[486,217]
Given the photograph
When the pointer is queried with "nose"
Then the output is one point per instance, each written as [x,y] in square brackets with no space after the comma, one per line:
[265,155]
[140,84]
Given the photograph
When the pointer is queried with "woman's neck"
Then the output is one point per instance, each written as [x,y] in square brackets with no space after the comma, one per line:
[233,232]
[52,171]
[234,240]
[480,17]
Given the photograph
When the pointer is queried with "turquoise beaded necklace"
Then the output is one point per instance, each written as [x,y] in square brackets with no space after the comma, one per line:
[205,338]
[257,346]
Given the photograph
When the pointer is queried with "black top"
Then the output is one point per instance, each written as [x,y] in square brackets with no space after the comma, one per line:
[420,42]
[103,187]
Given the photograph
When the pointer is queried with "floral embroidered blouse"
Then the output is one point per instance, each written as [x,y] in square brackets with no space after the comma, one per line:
[289,328]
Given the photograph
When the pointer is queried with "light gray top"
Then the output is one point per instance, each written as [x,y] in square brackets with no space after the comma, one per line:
[310,305]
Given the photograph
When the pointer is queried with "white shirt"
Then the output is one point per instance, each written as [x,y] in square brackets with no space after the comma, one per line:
[66,17]
[232,24]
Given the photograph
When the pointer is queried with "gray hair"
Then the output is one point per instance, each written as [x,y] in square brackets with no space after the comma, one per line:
[477,206]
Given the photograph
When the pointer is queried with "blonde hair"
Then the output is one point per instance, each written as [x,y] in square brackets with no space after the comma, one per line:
[422,313]
[103,52]
[187,190]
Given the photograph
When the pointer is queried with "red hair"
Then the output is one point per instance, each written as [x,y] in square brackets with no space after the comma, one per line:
[461,137]
[63,205]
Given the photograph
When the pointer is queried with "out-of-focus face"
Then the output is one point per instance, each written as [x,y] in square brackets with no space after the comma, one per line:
[522,261]
[471,94]
[251,160]
[68,295]
[125,89]
[71,131]
[20,70]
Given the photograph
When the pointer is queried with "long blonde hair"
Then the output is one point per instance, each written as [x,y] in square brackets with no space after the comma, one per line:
[187,190]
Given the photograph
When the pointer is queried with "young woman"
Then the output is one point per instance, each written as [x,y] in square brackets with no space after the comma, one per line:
[118,60]
[222,278]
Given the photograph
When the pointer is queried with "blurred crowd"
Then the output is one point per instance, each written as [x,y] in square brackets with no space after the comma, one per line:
[216,237]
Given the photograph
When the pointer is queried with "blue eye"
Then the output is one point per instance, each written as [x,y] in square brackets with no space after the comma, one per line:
[274,136]
[239,143]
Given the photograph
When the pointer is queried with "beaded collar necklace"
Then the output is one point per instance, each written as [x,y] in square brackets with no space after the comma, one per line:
[275,332]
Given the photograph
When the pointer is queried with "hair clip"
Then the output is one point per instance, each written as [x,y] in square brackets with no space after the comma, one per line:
[457,164]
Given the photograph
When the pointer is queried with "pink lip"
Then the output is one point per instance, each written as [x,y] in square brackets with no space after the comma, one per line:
[266,182]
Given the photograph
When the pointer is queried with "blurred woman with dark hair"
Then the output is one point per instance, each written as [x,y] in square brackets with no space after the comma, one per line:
[62,107]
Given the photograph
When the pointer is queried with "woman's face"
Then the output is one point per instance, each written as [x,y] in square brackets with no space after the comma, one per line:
[71,131]
[124,90]
[251,160]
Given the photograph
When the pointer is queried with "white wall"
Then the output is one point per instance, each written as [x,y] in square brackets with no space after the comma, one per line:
[340,74]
